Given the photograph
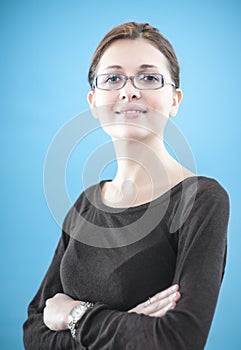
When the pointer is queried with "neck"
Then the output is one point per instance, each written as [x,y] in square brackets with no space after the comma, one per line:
[134,159]
[145,171]
[144,164]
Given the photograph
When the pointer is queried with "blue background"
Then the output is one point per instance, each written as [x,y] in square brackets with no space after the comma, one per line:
[45,52]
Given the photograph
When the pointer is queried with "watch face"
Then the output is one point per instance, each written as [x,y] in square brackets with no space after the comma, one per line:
[75,315]
[77,312]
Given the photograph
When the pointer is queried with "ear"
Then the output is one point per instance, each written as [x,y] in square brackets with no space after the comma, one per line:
[177,99]
[91,101]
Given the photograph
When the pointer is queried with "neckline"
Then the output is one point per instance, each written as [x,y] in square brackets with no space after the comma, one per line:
[156,201]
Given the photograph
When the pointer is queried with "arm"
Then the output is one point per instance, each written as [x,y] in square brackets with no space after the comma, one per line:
[58,307]
[199,271]
[47,324]
[36,334]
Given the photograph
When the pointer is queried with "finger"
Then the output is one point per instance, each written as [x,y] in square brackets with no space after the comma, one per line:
[161,304]
[162,312]
[159,300]
[47,302]
[165,293]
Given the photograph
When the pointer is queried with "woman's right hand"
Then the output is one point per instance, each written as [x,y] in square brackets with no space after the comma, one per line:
[160,303]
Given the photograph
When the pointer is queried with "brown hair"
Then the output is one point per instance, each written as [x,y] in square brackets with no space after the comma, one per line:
[133,30]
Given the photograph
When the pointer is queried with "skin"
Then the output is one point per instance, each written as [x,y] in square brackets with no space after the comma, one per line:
[145,168]
[136,137]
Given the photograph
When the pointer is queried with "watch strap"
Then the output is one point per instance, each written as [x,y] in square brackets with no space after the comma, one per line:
[76,314]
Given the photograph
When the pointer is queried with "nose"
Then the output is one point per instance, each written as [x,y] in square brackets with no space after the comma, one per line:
[129,92]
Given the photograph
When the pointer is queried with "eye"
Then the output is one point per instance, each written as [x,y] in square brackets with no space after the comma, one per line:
[149,78]
[112,79]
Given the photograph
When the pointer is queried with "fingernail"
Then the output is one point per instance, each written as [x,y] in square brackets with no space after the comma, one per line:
[175,287]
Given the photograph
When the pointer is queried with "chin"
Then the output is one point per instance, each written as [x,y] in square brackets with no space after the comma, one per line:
[130,132]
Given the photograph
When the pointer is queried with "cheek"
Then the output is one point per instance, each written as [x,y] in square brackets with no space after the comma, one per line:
[161,103]
[104,98]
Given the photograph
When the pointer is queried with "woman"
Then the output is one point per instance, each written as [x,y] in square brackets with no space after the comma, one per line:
[151,275]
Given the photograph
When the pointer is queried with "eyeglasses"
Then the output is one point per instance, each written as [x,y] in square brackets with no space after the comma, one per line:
[142,81]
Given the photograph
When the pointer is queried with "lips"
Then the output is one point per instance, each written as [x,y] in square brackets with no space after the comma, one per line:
[130,111]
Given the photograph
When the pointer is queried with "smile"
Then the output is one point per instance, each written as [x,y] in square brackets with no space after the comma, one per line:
[130,112]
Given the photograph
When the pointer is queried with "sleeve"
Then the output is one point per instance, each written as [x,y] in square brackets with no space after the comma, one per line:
[36,335]
[199,270]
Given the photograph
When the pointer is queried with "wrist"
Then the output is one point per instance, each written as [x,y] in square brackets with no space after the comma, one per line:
[75,315]
[71,305]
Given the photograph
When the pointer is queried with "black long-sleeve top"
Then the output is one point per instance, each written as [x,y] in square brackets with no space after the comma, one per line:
[117,258]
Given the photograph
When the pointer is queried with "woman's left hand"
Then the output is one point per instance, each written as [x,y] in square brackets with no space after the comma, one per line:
[56,311]
[160,303]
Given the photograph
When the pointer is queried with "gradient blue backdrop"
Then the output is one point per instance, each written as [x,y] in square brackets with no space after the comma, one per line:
[45,52]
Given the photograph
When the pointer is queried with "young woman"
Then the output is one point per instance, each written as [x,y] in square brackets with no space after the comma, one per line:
[151,276]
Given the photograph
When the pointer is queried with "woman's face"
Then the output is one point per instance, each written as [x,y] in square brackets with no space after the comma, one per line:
[129,112]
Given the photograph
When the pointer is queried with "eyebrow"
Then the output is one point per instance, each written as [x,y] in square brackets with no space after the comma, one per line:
[142,66]
[114,66]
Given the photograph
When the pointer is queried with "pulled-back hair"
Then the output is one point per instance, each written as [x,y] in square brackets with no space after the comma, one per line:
[133,30]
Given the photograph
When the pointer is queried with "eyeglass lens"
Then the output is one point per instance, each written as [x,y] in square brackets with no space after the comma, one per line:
[142,81]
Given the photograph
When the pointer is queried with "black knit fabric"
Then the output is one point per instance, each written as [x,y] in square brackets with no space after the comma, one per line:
[117,258]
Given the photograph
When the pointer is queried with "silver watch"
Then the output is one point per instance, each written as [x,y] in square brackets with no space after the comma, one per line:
[75,315]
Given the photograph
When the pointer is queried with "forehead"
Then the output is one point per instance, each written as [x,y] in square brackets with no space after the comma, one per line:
[131,54]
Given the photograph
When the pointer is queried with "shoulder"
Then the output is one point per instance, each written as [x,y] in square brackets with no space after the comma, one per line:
[197,198]
[88,197]
[207,197]
[200,189]
[210,190]
[86,201]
